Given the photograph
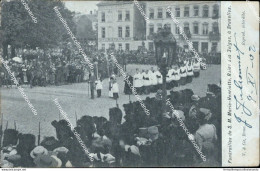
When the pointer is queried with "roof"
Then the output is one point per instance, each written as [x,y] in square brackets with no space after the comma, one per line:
[107,3]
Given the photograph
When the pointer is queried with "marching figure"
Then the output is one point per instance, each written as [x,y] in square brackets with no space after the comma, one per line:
[169,79]
[99,87]
[196,68]
[92,80]
[138,82]
[115,89]
[111,81]
[183,74]
[146,82]
[189,72]
[153,80]
[127,89]
[159,79]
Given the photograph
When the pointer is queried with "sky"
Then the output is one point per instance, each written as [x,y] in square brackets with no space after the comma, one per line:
[81,6]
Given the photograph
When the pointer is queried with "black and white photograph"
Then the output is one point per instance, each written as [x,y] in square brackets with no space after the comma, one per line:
[110,84]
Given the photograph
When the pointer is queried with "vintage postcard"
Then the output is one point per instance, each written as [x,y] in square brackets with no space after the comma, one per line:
[129,84]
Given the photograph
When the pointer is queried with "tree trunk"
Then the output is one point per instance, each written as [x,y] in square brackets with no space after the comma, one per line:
[5,50]
[12,51]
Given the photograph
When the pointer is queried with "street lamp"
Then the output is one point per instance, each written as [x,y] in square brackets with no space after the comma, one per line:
[165,54]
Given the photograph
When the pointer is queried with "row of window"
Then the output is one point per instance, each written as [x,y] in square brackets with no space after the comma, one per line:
[186,28]
[127,46]
[119,16]
[204,46]
[187,12]
[120,32]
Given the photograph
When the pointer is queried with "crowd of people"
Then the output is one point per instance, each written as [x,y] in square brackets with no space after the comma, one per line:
[155,140]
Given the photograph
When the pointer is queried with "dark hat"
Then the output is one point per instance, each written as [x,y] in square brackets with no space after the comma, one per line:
[10,137]
[50,143]
[115,115]
[39,150]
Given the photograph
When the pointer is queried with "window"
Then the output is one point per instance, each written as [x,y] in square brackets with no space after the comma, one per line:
[103,32]
[177,12]
[215,28]
[214,47]
[215,11]
[119,31]
[177,30]
[150,46]
[151,29]
[195,46]
[205,28]
[205,11]
[196,11]
[127,16]
[195,28]
[119,46]
[120,15]
[127,31]
[127,46]
[168,25]
[160,13]
[204,47]
[168,14]
[186,28]
[186,11]
[103,17]
[103,46]
[159,26]
[151,16]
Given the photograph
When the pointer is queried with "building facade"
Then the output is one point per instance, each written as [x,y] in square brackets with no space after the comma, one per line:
[120,24]
[123,25]
[200,21]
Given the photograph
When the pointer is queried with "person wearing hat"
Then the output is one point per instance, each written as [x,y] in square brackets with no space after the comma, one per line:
[207,133]
[194,106]
[39,150]
[47,161]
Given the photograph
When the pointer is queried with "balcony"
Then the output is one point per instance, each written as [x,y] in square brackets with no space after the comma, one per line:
[214,36]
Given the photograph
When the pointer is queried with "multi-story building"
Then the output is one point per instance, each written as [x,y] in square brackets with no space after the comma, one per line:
[200,21]
[120,24]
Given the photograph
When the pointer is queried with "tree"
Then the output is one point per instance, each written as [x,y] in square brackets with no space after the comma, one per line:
[19,30]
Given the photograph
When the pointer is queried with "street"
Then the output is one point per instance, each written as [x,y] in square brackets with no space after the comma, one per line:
[75,100]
